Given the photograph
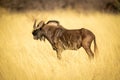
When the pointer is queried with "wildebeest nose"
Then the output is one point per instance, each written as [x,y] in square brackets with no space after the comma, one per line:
[34,33]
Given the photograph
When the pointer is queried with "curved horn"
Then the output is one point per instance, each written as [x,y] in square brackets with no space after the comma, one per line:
[34,24]
[40,24]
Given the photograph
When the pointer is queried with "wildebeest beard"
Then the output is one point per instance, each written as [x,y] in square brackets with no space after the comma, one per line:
[36,36]
[42,37]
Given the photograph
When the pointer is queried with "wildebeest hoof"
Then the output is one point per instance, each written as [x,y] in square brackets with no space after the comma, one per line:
[59,57]
[91,57]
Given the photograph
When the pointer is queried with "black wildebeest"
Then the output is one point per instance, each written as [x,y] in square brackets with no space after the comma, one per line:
[62,39]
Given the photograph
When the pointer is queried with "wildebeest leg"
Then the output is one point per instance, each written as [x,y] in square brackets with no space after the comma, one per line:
[53,44]
[59,54]
[89,52]
[86,45]
[59,48]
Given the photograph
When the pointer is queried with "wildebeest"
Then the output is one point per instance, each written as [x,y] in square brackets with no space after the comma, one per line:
[61,38]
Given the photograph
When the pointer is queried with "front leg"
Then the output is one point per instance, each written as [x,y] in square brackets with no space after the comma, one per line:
[59,55]
[59,51]
[52,44]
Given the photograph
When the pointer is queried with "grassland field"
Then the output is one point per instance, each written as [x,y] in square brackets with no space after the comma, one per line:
[23,58]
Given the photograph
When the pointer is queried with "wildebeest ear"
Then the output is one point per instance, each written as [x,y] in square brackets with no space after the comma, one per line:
[40,25]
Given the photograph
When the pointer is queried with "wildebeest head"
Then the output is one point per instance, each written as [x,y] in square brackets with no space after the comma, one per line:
[38,32]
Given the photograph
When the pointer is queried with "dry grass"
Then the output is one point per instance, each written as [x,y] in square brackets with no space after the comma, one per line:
[22,58]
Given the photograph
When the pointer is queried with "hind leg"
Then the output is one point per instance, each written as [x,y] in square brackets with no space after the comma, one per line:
[87,46]
[89,52]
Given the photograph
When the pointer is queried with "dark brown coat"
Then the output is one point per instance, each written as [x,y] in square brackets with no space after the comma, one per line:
[63,39]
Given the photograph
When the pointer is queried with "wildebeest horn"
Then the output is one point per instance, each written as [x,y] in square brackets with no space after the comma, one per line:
[34,24]
[41,23]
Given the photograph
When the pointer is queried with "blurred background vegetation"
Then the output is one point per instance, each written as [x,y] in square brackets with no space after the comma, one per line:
[78,5]
[23,58]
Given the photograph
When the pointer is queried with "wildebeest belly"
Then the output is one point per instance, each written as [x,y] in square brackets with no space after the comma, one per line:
[71,39]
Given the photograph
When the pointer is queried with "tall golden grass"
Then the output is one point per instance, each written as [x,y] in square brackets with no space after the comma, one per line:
[23,58]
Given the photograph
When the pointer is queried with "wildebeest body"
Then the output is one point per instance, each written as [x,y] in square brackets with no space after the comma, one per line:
[70,39]
[62,39]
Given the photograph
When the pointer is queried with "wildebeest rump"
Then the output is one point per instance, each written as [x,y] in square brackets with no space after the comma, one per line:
[63,39]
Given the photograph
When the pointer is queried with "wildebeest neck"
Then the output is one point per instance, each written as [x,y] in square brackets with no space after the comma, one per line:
[52,33]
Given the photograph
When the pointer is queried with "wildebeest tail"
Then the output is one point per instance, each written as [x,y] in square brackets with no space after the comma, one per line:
[95,46]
